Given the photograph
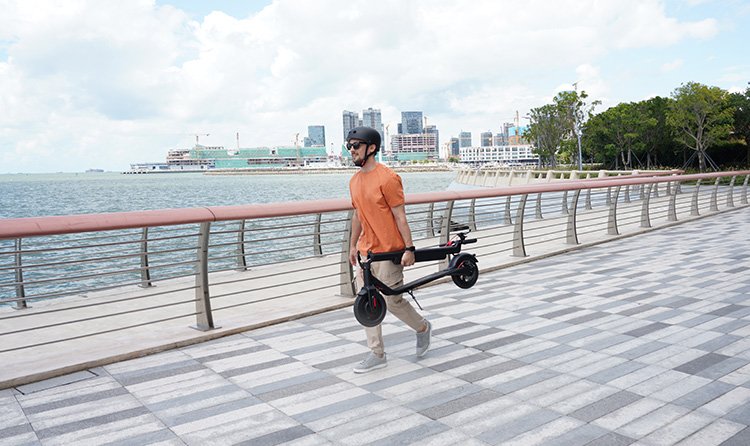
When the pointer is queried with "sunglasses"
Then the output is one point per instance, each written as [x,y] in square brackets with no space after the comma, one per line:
[355,145]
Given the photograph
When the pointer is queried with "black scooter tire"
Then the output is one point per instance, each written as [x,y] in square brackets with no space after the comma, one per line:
[369,311]
[469,276]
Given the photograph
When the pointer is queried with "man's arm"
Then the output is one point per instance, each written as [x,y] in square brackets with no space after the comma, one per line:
[399,213]
[356,231]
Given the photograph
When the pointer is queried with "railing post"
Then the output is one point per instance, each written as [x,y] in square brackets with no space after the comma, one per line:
[145,271]
[730,195]
[645,217]
[506,217]
[519,248]
[564,204]
[430,222]
[348,287]
[588,199]
[672,211]
[204,319]
[20,290]
[241,258]
[743,197]
[714,196]
[694,201]
[538,207]
[473,214]
[612,220]
[655,186]
[571,232]
[317,242]
[445,230]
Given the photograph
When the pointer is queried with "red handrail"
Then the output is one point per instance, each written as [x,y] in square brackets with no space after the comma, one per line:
[66,224]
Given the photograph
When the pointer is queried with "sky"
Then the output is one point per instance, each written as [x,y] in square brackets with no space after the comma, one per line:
[105,83]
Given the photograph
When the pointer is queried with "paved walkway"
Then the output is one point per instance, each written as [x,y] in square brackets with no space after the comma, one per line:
[644,340]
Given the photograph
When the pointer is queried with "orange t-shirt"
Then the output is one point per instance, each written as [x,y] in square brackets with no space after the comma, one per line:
[373,194]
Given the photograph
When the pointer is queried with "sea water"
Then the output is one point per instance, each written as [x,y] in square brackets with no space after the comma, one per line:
[33,195]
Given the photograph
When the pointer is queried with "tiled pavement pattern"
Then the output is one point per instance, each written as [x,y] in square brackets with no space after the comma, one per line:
[644,340]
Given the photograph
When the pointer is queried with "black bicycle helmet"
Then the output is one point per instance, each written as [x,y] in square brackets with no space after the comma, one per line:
[366,134]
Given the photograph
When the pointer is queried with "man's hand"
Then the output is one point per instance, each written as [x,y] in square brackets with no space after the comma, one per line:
[353,255]
[408,258]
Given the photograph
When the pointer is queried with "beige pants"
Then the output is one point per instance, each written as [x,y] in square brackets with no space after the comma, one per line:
[393,276]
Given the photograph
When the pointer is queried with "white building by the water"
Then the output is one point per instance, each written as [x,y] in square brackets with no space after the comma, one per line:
[507,154]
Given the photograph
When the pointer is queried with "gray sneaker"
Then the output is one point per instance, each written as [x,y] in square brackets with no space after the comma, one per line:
[423,340]
[371,362]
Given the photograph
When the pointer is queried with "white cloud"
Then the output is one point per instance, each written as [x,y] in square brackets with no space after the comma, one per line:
[103,83]
[671,66]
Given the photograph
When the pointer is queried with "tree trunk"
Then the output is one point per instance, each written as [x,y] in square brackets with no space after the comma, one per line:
[701,160]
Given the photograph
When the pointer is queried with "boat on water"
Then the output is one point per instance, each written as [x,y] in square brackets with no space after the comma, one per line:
[202,158]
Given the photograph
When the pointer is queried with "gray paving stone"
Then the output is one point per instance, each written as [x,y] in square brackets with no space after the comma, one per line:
[278,437]
[612,439]
[525,381]
[82,399]
[504,432]
[86,423]
[699,364]
[648,329]
[459,404]
[704,394]
[171,419]
[604,406]
[492,370]
[161,436]
[231,354]
[501,342]
[741,438]
[255,367]
[323,381]
[15,430]
[458,362]
[413,435]
[612,373]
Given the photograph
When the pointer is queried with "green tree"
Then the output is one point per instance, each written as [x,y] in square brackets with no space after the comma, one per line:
[574,111]
[701,117]
[657,137]
[546,131]
[741,104]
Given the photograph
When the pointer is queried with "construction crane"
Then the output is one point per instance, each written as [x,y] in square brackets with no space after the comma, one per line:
[197,135]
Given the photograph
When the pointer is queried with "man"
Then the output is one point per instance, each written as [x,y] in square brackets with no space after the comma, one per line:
[379,225]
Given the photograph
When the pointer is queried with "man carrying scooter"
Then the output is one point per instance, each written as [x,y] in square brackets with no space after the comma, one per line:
[379,225]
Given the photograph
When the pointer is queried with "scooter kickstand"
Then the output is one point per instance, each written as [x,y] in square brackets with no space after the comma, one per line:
[411,293]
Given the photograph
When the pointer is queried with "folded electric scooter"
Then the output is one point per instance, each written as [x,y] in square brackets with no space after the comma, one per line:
[370,307]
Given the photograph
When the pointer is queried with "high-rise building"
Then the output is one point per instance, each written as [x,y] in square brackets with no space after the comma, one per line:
[411,123]
[350,120]
[317,135]
[414,147]
[372,118]
[432,130]
[454,146]
[486,139]
[464,139]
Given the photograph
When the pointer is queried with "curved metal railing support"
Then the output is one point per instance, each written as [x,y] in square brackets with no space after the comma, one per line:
[519,248]
[672,209]
[715,196]
[645,218]
[241,257]
[571,230]
[347,287]
[317,241]
[612,218]
[730,194]
[204,319]
[694,201]
[145,270]
[20,303]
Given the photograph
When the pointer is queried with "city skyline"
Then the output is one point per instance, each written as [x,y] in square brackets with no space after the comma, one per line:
[91,84]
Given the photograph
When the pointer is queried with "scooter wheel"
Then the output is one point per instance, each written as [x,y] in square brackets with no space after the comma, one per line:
[468,275]
[369,310]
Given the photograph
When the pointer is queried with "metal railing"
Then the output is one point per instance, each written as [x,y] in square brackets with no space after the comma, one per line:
[105,273]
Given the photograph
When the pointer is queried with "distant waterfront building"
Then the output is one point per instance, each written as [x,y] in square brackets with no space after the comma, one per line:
[485,139]
[317,135]
[307,142]
[414,147]
[499,140]
[454,146]
[510,155]
[350,120]
[411,123]
[432,130]
[464,139]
